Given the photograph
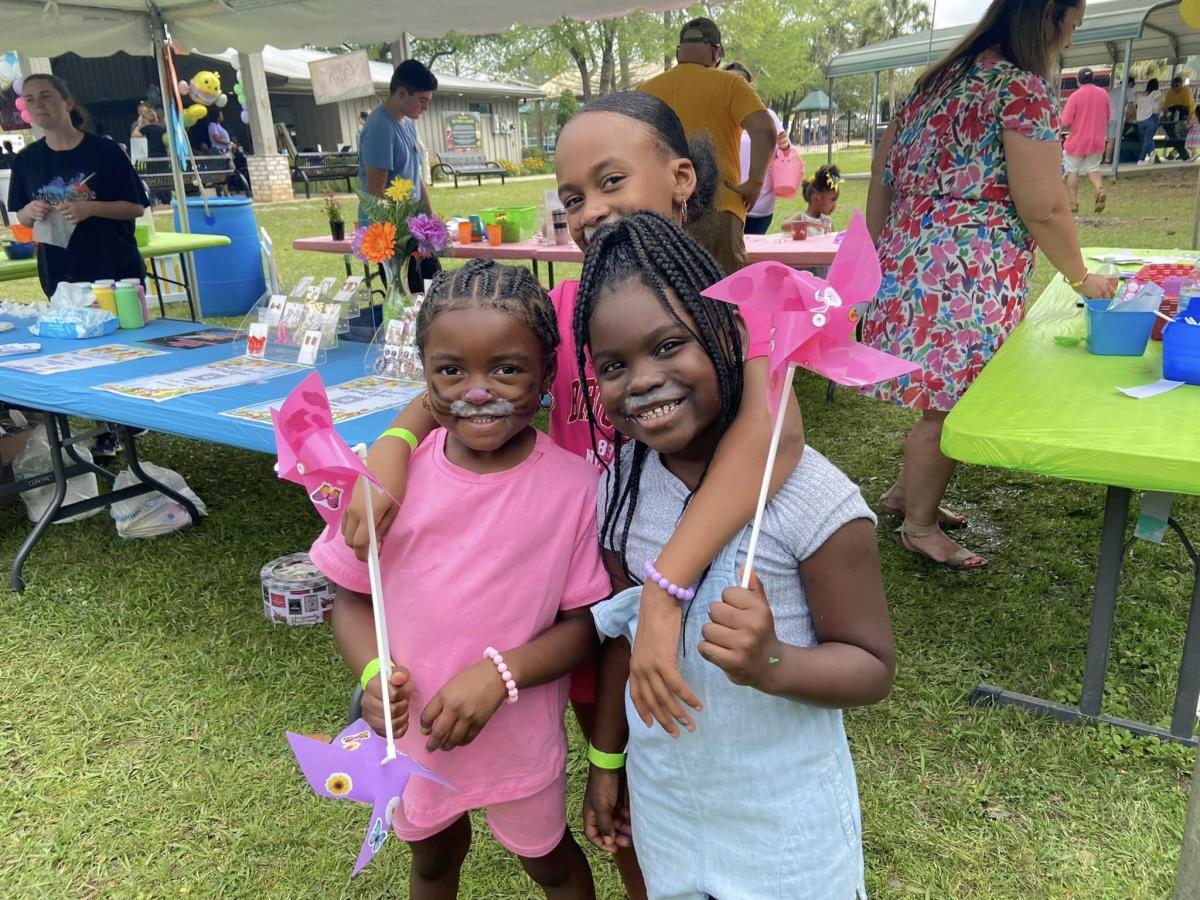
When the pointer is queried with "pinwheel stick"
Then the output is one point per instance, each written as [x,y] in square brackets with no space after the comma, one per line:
[380,616]
[765,489]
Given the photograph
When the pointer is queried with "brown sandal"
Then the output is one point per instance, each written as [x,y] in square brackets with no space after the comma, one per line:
[1101,200]
[961,560]
[947,518]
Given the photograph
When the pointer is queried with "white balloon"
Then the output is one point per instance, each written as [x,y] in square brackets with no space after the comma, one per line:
[18,85]
[221,101]
[7,71]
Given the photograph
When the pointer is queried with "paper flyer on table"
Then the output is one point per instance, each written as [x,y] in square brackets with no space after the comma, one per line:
[75,360]
[350,400]
[199,379]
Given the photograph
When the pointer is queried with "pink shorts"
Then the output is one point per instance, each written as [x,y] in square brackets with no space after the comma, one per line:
[530,827]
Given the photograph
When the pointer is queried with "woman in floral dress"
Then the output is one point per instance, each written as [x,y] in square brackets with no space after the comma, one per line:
[966,181]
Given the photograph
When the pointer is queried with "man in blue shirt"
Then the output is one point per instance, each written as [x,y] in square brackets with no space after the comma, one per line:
[387,147]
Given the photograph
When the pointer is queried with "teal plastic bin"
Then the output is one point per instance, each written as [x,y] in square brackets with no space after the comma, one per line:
[229,279]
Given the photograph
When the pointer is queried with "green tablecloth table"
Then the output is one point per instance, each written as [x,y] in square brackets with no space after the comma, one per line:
[1054,410]
[162,243]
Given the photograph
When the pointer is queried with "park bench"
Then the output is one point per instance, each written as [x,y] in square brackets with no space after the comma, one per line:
[215,171]
[468,165]
[325,166]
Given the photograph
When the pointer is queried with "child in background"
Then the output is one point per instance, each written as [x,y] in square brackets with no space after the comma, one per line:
[496,550]
[821,193]
[761,800]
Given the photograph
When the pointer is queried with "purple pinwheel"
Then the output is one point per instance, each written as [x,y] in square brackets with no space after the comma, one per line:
[354,766]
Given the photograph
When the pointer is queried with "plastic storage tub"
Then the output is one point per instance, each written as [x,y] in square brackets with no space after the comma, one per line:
[229,279]
[1114,333]
[518,225]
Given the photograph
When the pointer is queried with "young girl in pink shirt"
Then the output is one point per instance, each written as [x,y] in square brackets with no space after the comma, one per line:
[487,579]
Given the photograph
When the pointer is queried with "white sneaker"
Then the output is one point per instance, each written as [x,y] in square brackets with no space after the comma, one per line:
[1142,162]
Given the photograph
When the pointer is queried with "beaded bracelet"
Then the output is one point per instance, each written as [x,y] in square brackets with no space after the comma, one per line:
[681,594]
[502,667]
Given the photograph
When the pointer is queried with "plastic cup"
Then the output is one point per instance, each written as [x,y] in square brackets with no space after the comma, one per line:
[464,232]
[105,294]
[495,235]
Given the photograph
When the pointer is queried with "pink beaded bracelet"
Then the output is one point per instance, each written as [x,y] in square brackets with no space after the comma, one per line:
[502,667]
[681,594]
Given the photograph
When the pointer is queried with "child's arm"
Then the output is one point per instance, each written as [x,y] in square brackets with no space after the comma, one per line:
[605,814]
[458,712]
[855,661]
[388,459]
[354,631]
[721,508]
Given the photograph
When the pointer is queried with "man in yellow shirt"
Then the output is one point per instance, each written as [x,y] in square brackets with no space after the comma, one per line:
[719,104]
[1179,110]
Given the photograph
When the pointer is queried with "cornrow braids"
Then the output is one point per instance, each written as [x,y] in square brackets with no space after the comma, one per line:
[649,248]
[487,284]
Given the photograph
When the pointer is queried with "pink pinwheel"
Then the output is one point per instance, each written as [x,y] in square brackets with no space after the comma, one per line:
[355,767]
[311,453]
[812,325]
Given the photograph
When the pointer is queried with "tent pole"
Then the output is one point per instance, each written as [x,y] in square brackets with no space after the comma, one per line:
[168,95]
[829,124]
[875,113]
[1116,160]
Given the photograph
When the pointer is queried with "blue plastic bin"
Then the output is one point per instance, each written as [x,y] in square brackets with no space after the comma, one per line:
[1113,333]
[229,279]
[1181,352]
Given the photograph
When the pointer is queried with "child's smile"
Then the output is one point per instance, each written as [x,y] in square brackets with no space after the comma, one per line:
[657,382]
[486,373]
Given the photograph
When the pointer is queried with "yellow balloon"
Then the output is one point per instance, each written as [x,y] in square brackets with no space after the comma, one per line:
[1189,11]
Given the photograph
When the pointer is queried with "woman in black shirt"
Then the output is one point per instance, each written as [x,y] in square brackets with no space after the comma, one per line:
[87,180]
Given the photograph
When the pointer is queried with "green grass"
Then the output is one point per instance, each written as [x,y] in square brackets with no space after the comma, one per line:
[145,698]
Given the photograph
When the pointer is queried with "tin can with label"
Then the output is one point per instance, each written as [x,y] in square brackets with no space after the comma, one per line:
[295,592]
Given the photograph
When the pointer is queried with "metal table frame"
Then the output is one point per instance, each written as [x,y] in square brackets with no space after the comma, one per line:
[1113,547]
[64,443]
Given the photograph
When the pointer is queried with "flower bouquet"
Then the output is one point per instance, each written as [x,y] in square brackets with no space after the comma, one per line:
[396,230]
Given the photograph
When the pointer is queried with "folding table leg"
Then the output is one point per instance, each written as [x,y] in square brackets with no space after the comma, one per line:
[60,492]
[1187,688]
[1104,599]
[187,287]
[550,267]
[135,466]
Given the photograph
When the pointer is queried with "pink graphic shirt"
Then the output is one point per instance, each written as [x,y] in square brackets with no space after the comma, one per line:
[1086,114]
[569,420]
[474,561]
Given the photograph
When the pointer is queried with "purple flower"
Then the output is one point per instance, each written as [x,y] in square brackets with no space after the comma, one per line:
[429,232]
[356,240]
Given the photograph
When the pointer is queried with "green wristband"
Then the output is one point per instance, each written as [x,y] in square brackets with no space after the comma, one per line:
[602,760]
[370,670]
[404,434]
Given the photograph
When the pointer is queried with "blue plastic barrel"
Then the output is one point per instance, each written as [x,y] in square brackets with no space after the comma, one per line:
[230,279]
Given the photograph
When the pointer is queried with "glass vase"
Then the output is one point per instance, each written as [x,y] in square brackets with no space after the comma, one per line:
[400,356]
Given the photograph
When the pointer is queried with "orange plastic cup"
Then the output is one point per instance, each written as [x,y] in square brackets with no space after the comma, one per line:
[495,233]
[464,232]
[800,231]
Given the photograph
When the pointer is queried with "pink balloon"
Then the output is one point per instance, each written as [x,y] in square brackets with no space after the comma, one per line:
[26,117]
[245,117]
[20,103]
[184,87]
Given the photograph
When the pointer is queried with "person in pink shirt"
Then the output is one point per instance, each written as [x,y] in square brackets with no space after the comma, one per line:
[487,575]
[1086,114]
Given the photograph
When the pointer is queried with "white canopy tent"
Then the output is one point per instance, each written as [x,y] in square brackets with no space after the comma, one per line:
[48,28]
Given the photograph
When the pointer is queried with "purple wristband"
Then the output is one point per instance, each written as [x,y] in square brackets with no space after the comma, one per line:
[681,594]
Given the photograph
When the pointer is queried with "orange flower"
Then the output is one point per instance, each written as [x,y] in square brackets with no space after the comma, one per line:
[379,242]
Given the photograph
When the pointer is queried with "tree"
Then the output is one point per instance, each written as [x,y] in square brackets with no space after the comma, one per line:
[567,105]
[459,49]
[888,19]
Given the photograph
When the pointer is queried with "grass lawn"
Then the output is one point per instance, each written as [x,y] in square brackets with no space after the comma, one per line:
[145,698]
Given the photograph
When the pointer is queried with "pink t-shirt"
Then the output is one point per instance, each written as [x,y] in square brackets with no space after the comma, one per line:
[569,425]
[1086,113]
[474,561]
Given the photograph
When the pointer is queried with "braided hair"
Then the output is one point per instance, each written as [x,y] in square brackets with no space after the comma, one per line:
[824,179]
[669,136]
[487,284]
[649,248]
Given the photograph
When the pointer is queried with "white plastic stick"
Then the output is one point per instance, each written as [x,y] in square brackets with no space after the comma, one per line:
[379,613]
[766,479]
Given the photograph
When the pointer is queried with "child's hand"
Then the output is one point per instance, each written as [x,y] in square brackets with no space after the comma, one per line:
[400,686]
[740,638]
[606,811]
[655,685]
[392,471]
[458,712]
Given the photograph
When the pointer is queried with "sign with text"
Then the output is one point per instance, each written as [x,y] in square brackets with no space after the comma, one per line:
[463,131]
[341,77]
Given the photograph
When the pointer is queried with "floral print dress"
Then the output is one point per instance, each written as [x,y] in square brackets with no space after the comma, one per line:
[956,257]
